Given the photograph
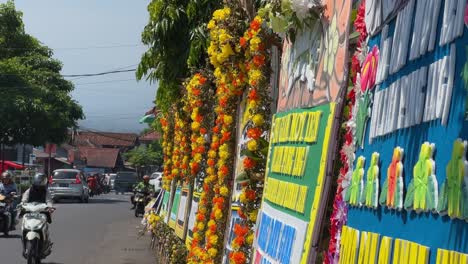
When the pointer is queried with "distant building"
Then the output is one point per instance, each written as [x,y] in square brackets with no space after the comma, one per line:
[122,141]
[149,137]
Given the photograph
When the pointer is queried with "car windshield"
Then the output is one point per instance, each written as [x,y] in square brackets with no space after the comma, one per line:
[65,174]
[126,176]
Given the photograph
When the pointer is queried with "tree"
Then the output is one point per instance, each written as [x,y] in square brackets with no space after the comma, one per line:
[142,157]
[177,38]
[35,102]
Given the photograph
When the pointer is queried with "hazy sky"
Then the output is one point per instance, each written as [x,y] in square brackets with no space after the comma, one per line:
[78,31]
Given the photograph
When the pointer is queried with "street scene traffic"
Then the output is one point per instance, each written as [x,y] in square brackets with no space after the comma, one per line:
[234,132]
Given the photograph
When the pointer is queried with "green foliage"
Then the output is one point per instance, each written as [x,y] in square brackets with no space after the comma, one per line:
[145,156]
[34,98]
[177,39]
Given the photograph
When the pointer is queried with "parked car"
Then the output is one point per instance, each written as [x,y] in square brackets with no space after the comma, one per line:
[68,183]
[111,180]
[124,182]
[155,178]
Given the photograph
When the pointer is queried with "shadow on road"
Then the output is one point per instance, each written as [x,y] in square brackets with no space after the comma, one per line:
[106,201]
[11,237]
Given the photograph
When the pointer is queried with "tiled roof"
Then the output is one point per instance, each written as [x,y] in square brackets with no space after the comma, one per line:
[100,157]
[150,136]
[99,139]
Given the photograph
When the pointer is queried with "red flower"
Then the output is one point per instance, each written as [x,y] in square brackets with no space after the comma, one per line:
[255,25]
[238,257]
[259,60]
[226,136]
[216,129]
[196,92]
[202,80]
[240,230]
[250,194]
[203,130]
[200,149]
[249,163]
[211,162]
[198,118]
[224,169]
[200,217]
[254,133]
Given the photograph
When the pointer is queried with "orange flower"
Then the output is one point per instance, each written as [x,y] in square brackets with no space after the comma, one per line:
[216,129]
[223,101]
[240,240]
[200,217]
[202,80]
[224,169]
[249,163]
[200,149]
[255,24]
[240,230]
[242,41]
[226,136]
[238,257]
[250,194]
[211,162]
[196,92]
[259,60]
[203,130]
[254,133]
[214,145]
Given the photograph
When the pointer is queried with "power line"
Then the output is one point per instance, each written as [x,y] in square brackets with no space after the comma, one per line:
[97,74]
[115,69]
[112,81]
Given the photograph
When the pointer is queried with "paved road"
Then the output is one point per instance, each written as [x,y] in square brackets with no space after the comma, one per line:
[103,231]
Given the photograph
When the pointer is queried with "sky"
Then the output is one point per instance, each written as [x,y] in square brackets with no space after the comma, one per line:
[93,36]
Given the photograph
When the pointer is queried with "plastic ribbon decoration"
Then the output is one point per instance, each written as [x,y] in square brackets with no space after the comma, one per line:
[422,191]
[354,194]
[371,189]
[453,195]
[392,190]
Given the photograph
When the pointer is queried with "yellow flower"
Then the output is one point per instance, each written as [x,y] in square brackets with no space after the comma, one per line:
[211,24]
[223,154]
[209,170]
[254,43]
[253,216]
[201,226]
[224,191]
[252,104]
[228,119]
[212,252]
[201,140]
[223,147]
[197,157]
[213,239]
[255,75]
[211,223]
[258,119]
[242,198]
[249,239]
[218,214]
[195,126]
[212,154]
[252,145]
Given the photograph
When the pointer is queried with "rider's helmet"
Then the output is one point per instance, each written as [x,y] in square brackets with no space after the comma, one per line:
[40,180]
[146,178]
[6,176]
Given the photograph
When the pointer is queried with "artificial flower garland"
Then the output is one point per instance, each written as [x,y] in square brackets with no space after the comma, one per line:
[230,82]
[198,92]
[167,144]
[339,214]
[256,60]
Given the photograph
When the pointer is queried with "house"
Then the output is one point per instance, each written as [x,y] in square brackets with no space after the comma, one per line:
[121,141]
[149,137]
[98,159]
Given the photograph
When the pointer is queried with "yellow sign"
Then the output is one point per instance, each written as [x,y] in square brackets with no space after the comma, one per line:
[305,125]
[286,194]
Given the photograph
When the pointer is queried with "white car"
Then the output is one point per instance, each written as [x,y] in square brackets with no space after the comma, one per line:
[155,180]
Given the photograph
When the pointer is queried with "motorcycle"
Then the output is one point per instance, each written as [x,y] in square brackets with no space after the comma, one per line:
[35,232]
[5,215]
[140,202]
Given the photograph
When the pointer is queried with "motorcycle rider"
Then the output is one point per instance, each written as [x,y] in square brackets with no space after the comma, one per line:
[39,193]
[143,186]
[8,188]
